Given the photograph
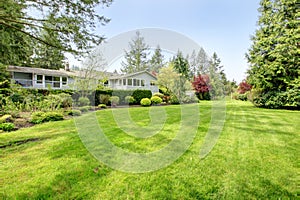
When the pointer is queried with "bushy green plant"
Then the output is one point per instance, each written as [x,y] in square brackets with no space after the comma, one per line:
[156,100]
[66,100]
[174,99]
[102,106]
[138,95]
[159,94]
[114,100]
[53,116]
[84,108]
[104,99]
[40,117]
[73,112]
[8,126]
[145,102]
[83,101]
[129,100]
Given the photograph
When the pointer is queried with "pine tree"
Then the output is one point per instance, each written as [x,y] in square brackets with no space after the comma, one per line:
[136,57]
[274,56]
[157,60]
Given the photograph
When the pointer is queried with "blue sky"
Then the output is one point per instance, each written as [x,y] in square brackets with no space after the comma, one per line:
[218,26]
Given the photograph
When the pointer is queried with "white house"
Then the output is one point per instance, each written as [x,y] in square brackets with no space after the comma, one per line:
[137,80]
[40,78]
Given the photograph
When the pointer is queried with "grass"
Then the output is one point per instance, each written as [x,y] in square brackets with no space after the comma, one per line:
[256,157]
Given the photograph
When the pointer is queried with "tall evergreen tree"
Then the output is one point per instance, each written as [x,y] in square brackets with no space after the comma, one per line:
[157,60]
[274,56]
[136,57]
[217,77]
[15,47]
[49,57]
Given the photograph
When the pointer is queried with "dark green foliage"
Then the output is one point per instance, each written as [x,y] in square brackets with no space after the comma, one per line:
[145,102]
[104,99]
[122,94]
[73,24]
[138,95]
[7,126]
[274,55]
[157,60]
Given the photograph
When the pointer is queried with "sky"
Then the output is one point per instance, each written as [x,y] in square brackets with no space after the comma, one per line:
[221,26]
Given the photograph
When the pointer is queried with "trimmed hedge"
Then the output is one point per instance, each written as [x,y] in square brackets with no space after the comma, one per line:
[145,102]
[138,95]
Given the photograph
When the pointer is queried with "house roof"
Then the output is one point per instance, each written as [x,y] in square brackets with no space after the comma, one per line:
[49,72]
[62,72]
[121,76]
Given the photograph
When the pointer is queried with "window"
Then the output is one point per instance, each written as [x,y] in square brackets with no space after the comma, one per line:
[124,81]
[129,81]
[39,79]
[143,83]
[138,82]
[134,82]
[120,82]
[56,81]
[64,80]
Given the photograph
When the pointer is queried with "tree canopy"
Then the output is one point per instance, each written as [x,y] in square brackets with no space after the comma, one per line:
[274,56]
[73,23]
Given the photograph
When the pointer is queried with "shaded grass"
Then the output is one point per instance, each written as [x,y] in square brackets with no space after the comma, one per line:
[256,157]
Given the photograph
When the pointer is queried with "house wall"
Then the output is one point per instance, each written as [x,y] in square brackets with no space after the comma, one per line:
[118,83]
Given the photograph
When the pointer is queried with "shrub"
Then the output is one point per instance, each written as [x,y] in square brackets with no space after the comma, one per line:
[156,100]
[145,102]
[5,118]
[40,117]
[129,100]
[7,126]
[66,100]
[158,94]
[174,100]
[37,117]
[53,116]
[104,99]
[138,95]
[122,94]
[114,100]
[83,101]
[85,108]
[101,106]
[73,112]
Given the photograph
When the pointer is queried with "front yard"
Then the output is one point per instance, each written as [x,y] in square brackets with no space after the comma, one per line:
[256,157]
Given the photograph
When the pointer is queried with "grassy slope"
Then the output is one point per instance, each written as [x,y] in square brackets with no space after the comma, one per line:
[256,157]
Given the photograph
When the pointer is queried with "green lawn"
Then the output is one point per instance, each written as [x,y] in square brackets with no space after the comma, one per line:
[256,157]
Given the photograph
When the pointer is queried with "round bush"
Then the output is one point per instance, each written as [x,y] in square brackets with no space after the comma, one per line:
[129,100]
[83,101]
[114,100]
[156,100]
[145,102]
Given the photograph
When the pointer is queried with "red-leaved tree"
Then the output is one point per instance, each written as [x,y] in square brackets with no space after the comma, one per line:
[244,87]
[202,87]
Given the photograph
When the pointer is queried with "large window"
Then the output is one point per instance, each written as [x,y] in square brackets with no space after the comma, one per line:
[56,82]
[142,82]
[124,81]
